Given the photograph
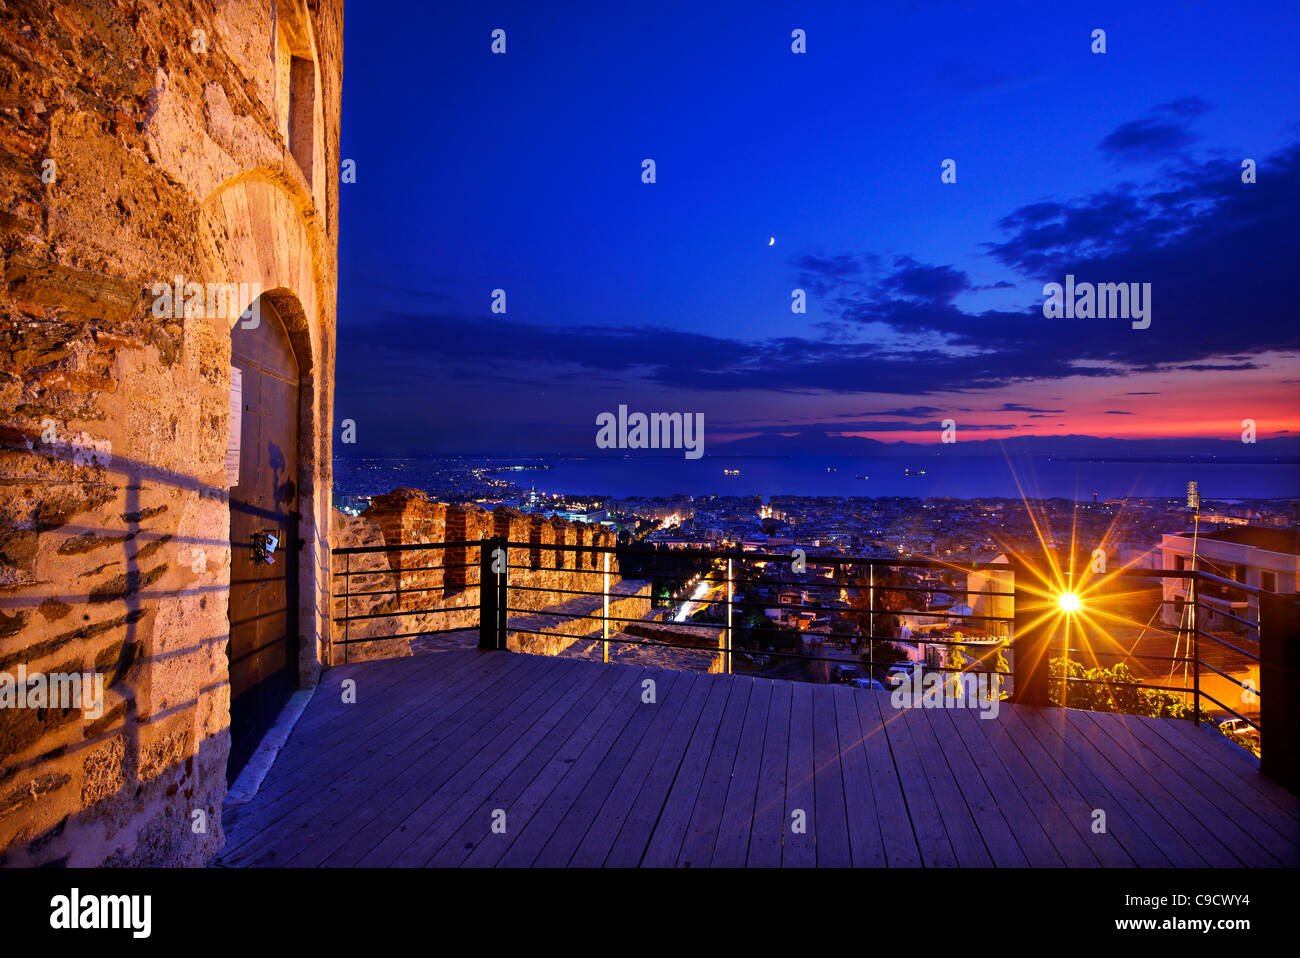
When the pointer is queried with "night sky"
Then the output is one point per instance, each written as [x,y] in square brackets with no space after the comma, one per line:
[523,172]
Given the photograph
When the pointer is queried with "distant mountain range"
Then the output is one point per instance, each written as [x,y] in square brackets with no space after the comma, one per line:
[539,442]
[822,444]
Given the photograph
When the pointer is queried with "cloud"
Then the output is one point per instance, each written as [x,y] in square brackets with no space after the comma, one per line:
[1205,367]
[819,274]
[1021,407]
[1161,133]
[1188,106]
[1145,138]
[934,284]
[1215,251]
[876,426]
[910,411]
[1218,254]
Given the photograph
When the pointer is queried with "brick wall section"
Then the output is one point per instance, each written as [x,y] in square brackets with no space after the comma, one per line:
[114,509]
[514,526]
[541,535]
[407,517]
[465,523]
[440,597]
[608,539]
[479,525]
[457,557]
[564,535]
[582,539]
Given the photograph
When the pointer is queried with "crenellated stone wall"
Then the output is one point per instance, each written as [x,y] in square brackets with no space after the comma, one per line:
[140,142]
[424,590]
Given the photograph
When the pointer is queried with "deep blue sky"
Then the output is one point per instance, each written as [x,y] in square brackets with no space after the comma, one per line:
[523,172]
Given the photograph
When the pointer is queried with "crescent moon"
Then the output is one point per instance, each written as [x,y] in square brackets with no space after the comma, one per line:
[771,241]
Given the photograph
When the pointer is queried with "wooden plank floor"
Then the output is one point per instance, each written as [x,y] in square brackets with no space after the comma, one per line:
[468,758]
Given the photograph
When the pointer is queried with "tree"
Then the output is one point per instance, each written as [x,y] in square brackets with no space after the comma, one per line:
[881,621]
[992,660]
[881,655]
[954,657]
[1114,689]
[887,602]
[999,663]
[1118,690]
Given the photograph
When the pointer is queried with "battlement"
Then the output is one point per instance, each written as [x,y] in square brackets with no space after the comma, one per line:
[436,589]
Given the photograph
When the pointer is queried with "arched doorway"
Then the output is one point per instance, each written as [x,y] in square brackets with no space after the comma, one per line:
[263,648]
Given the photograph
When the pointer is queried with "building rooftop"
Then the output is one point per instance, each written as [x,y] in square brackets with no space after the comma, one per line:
[1284,541]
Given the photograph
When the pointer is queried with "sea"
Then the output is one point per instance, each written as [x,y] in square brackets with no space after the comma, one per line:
[931,476]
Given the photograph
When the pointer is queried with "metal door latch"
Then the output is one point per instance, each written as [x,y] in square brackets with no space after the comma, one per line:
[264,544]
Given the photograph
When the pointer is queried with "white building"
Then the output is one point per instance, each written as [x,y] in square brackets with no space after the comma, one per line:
[982,594]
[1254,555]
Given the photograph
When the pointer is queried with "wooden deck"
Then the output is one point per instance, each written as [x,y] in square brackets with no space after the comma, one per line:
[715,772]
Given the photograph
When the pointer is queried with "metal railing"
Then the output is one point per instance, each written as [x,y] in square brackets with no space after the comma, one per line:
[865,646]
[342,589]
[1196,605]
[730,575]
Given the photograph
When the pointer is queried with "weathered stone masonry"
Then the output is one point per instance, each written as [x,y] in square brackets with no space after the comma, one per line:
[128,157]
[437,589]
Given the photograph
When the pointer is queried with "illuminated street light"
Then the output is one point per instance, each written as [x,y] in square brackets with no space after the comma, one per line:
[1069,602]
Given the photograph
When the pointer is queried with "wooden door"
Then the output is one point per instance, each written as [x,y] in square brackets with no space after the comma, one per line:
[263,647]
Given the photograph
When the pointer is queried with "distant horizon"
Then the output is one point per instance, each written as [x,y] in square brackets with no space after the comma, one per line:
[913,472]
[1263,450]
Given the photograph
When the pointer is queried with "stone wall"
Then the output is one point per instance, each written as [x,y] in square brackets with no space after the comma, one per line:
[437,588]
[689,648]
[140,142]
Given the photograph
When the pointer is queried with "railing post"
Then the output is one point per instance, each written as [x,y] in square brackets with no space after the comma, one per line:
[871,602]
[727,656]
[1279,688]
[871,621]
[1029,644]
[1194,650]
[604,633]
[489,596]
[503,588]
[347,602]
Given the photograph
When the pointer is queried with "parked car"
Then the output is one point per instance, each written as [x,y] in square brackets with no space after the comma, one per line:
[845,673]
[866,683]
[1236,726]
[897,675]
